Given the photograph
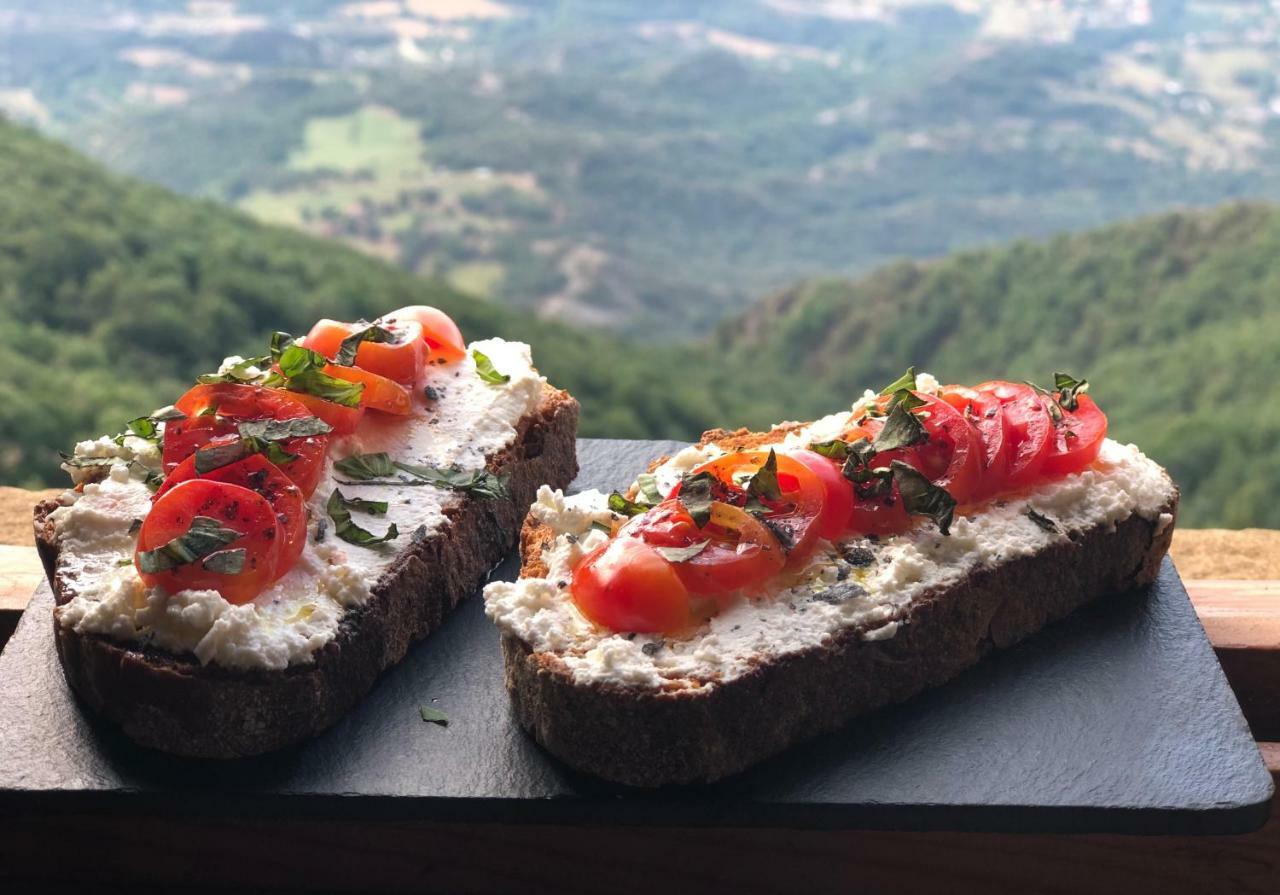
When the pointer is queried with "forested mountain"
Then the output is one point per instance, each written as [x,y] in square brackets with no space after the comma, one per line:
[114,294]
[662,163]
[1175,320]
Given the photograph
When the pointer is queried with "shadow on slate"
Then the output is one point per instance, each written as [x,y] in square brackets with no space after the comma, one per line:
[1117,719]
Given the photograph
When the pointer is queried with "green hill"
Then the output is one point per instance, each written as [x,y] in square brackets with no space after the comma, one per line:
[1174,319]
[114,294]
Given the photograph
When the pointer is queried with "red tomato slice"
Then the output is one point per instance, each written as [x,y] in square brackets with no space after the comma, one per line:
[985,412]
[234,507]
[839,493]
[400,360]
[741,551]
[1029,430]
[626,585]
[794,519]
[438,330]
[263,477]
[380,393]
[1078,439]
[951,457]
[215,410]
[343,419]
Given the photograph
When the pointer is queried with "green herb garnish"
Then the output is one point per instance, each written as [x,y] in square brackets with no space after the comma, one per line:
[433,715]
[302,370]
[1043,521]
[205,536]
[682,554]
[485,370]
[226,562]
[625,506]
[902,428]
[764,483]
[339,510]
[921,497]
[242,372]
[906,381]
[696,495]
[1069,389]
[346,355]
[647,488]
[375,469]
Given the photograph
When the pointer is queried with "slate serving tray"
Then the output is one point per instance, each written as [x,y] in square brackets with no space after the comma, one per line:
[1116,720]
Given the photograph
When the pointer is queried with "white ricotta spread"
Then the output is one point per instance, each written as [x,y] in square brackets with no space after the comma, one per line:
[466,421]
[857,584]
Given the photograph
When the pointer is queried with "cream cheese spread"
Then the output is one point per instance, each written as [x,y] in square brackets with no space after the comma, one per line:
[464,422]
[862,584]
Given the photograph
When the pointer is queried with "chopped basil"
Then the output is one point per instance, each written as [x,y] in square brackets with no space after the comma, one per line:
[372,507]
[832,450]
[1069,389]
[135,526]
[282,430]
[921,497]
[219,455]
[682,554]
[647,486]
[906,398]
[145,427]
[339,510]
[1043,521]
[695,494]
[374,469]
[485,370]
[764,483]
[239,373]
[302,370]
[322,529]
[902,428]
[906,381]
[365,466]
[625,506]
[601,526]
[346,355]
[205,536]
[226,562]
[433,715]
[150,477]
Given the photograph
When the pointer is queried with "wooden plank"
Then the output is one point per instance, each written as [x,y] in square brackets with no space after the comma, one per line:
[1242,619]
[20,573]
[402,856]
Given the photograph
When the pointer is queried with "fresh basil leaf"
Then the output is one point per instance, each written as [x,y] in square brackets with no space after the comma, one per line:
[433,715]
[906,398]
[219,455]
[625,506]
[682,554]
[168,414]
[485,370]
[295,360]
[764,483]
[1043,521]
[346,356]
[696,495]
[302,370]
[143,427]
[226,562]
[921,497]
[372,507]
[1050,404]
[477,482]
[647,487]
[239,373]
[597,525]
[832,450]
[275,453]
[283,430]
[365,466]
[906,381]
[339,510]
[1069,389]
[279,342]
[205,536]
[902,428]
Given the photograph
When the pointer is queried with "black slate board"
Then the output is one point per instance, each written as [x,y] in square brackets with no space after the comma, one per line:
[1115,720]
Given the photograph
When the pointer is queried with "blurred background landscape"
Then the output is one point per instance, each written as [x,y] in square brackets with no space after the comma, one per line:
[728,212]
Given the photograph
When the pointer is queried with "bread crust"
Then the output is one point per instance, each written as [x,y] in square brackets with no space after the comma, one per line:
[648,737]
[171,702]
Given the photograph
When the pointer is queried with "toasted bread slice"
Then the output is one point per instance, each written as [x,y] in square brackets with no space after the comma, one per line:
[867,630]
[194,703]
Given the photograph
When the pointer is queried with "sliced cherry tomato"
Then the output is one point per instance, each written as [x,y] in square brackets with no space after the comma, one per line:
[438,330]
[879,515]
[626,585]
[217,410]
[740,552]
[1029,429]
[400,360]
[343,419]
[839,493]
[795,516]
[952,455]
[380,393]
[260,475]
[233,507]
[986,413]
[1079,438]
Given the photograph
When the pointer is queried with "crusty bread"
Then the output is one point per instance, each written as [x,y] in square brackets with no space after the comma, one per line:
[173,703]
[656,737]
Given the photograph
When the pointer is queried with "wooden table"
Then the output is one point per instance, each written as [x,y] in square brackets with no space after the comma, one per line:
[1242,619]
